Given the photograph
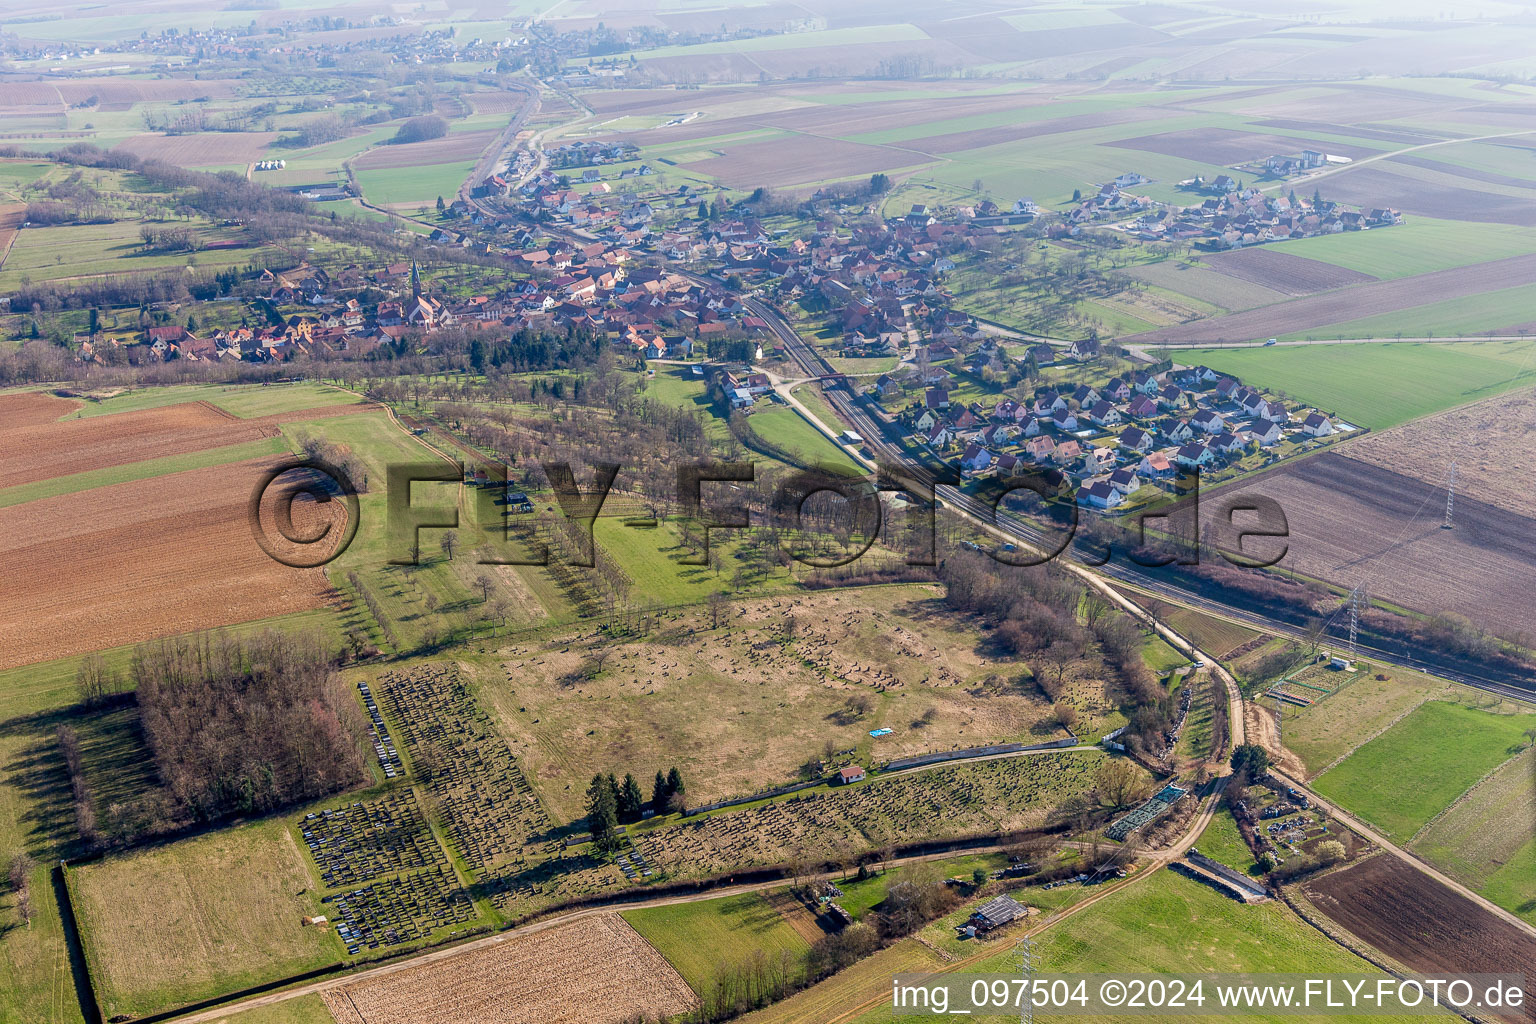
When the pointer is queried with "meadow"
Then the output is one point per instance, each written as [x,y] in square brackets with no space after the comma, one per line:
[69,251]
[1419,245]
[1485,840]
[1404,777]
[788,429]
[882,657]
[709,939]
[1378,385]
[225,908]
[1360,707]
[413,186]
[1166,924]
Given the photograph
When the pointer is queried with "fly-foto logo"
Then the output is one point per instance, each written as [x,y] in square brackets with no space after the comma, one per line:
[1028,519]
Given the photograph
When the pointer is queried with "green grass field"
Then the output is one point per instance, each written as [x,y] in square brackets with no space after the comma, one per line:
[1169,924]
[1419,245]
[1379,385]
[53,253]
[676,386]
[1408,774]
[1360,707]
[1222,841]
[1485,840]
[788,429]
[390,186]
[707,940]
[169,925]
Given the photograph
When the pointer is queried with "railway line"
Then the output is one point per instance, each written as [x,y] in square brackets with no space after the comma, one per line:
[873,431]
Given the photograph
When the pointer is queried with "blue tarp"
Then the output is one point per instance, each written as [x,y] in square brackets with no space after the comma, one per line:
[877,733]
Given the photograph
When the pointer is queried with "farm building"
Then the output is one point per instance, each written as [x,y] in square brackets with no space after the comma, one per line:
[995,913]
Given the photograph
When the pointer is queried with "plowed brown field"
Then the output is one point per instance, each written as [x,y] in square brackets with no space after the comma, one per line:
[1490,442]
[1351,522]
[1294,275]
[133,561]
[29,408]
[202,150]
[33,446]
[1422,924]
[596,970]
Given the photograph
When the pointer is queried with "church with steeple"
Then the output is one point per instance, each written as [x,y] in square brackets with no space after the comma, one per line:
[423,310]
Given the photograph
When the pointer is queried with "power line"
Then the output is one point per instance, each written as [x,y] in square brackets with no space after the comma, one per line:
[1025,951]
[1450,497]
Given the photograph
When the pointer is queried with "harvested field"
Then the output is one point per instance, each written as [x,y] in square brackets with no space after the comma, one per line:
[783,162]
[449,148]
[500,101]
[1351,521]
[1363,300]
[1355,131]
[1450,934]
[993,39]
[596,970]
[1375,185]
[203,150]
[28,96]
[959,142]
[129,562]
[1470,173]
[1224,290]
[1490,442]
[740,111]
[118,93]
[1293,275]
[1224,146]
